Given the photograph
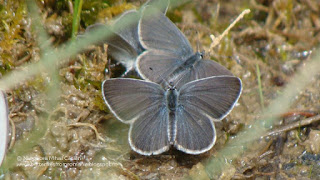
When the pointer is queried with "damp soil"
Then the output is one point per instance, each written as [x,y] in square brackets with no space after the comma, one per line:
[68,121]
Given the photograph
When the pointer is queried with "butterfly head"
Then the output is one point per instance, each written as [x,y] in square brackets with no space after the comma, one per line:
[201,54]
[171,86]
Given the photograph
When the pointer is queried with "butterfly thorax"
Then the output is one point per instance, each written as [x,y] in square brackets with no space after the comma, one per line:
[171,96]
[189,63]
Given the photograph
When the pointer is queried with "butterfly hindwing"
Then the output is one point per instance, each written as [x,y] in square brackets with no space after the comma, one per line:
[156,65]
[149,134]
[200,102]
[129,98]
[195,133]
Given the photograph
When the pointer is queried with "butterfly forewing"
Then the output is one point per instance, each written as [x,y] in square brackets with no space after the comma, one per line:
[126,26]
[201,69]
[128,99]
[113,39]
[127,57]
[143,105]
[161,5]
[213,96]
[119,49]
[208,68]
[156,31]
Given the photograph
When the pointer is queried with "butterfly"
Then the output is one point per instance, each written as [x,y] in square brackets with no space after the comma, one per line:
[123,43]
[163,117]
[168,55]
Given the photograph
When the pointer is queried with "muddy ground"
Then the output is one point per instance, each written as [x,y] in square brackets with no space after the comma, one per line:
[62,116]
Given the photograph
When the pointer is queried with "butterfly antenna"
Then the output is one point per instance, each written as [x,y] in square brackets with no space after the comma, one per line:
[166,83]
[179,78]
[125,74]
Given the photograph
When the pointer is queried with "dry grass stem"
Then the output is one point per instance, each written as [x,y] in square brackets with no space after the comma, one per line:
[216,40]
[88,125]
[294,125]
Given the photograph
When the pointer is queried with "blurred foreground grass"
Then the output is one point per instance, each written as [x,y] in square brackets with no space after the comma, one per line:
[52,58]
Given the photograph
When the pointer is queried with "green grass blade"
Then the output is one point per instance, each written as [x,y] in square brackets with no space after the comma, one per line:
[260,86]
[76,18]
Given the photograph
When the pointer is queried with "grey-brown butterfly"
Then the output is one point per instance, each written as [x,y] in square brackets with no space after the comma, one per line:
[168,55]
[160,118]
[123,43]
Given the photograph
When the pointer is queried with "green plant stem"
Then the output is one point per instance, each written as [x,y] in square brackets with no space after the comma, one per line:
[76,18]
[260,86]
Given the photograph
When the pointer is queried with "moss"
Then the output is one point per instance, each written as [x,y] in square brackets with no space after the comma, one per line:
[67,23]
[61,5]
[91,10]
[11,13]
[6,65]
[175,16]
[197,15]
[99,102]
[283,53]
[289,11]
[115,10]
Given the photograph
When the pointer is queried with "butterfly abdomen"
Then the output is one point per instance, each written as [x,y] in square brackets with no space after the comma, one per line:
[171,97]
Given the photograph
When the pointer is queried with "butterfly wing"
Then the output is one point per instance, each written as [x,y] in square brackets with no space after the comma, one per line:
[124,46]
[200,102]
[126,26]
[149,134]
[156,31]
[195,132]
[129,32]
[119,49]
[201,69]
[164,42]
[167,51]
[143,105]
[214,96]
[161,5]
[157,65]
[131,19]
[208,68]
